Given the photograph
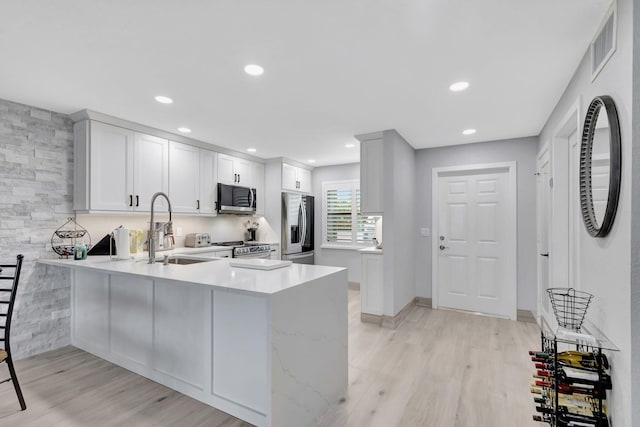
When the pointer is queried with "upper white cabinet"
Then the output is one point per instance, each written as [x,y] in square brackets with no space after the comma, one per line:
[150,169]
[192,179]
[184,177]
[109,182]
[257,173]
[295,178]
[117,169]
[234,171]
[208,182]
[371,177]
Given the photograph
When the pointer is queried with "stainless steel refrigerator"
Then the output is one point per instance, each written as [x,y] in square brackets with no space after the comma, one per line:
[297,228]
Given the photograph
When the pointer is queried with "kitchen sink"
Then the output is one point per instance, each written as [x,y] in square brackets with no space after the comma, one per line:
[184,261]
[181,260]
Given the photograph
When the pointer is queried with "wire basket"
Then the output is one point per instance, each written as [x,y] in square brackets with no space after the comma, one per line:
[569,306]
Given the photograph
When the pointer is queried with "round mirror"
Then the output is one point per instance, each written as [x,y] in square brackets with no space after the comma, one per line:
[600,166]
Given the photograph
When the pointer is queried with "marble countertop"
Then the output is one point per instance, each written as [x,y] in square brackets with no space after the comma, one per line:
[371,250]
[216,273]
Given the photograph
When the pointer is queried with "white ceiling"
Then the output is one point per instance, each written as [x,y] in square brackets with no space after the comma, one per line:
[333,68]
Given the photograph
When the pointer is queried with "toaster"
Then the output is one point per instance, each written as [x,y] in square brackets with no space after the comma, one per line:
[197,240]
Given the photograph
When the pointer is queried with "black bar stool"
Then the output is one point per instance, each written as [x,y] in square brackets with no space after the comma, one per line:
[7,299]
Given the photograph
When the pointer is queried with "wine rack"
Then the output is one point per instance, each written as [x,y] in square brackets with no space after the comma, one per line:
[571,376]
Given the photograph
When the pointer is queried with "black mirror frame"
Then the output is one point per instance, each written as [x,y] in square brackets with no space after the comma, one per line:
[586,194]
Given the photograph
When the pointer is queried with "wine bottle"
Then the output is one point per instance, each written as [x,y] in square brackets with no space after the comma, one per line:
[569,405]
[576,359]
[570,420]
[575,376]
[584,389]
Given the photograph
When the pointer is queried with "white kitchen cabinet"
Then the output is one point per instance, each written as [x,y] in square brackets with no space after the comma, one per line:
[234,171]
[184,177]
[371,177]
[150,169]
[295,178]
[275,251]
[208,182]
[110,165]
[192,179]
[117,169]
[372,284]
[257,173]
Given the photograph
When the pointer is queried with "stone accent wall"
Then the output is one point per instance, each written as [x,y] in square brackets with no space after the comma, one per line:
[36,179]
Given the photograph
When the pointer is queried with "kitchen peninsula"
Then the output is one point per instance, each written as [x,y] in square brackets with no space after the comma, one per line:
[269,347]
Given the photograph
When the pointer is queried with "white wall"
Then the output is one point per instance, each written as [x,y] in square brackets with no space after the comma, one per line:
[521,150]
[605,262]
[348,258]
[635,227]
[399,227]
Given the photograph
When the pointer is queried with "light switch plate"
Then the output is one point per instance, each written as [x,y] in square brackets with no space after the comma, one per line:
[178,231]
[425,232]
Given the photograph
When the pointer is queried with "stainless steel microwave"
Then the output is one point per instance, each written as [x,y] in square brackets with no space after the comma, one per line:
[233,199]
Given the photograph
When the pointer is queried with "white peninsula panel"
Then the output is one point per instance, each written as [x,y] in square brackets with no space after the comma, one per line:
[181,333]
[129,327]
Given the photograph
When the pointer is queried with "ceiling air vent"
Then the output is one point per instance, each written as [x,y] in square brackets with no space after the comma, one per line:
[604,43]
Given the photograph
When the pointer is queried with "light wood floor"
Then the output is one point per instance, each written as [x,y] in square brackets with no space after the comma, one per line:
[439,368]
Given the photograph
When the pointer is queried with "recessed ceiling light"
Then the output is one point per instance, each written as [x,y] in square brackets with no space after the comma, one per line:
[253,70]
[468,131]
[164,99]
[251,150]
[350,145]
[311,161]
[184,130]
[458,86]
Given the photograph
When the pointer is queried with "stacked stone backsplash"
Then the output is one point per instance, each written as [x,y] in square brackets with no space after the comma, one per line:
[36,179]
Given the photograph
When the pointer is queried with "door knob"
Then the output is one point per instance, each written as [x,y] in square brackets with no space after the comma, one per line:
[443,247]
[441,237]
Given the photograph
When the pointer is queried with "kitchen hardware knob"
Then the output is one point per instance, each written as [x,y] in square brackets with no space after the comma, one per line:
[443,247]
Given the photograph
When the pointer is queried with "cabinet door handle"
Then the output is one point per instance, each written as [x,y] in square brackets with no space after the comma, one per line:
[198,202]
[130,200]
[238,178]
[137,200]
[545,254]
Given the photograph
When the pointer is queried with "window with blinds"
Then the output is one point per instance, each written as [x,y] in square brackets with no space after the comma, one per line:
[342,222]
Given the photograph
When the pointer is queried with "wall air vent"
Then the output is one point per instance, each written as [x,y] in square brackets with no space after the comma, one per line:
[604,44]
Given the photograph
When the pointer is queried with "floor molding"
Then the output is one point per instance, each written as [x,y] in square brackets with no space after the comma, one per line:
[423,302]
[526,316]
[392,322]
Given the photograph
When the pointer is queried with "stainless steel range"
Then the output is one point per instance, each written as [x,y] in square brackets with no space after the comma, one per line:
[247,250]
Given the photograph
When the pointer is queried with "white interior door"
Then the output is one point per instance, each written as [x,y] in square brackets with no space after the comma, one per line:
[544,225]
[476,244]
